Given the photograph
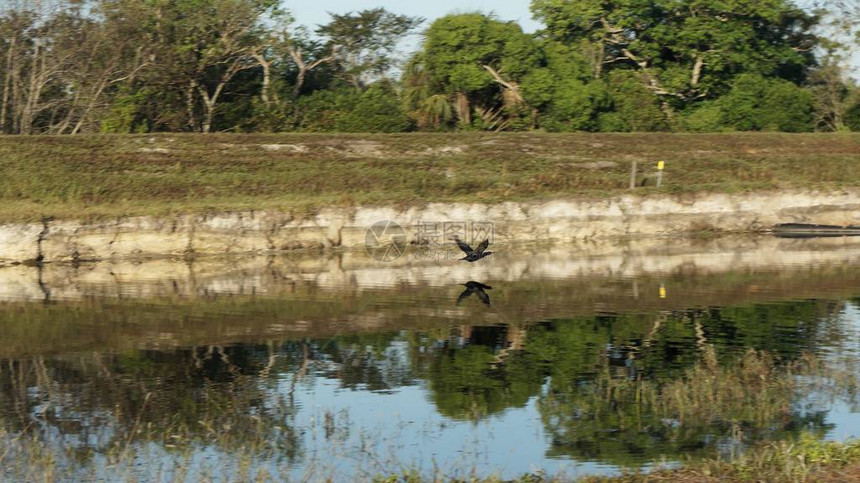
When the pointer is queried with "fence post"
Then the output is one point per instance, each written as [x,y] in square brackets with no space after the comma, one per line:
[633,175]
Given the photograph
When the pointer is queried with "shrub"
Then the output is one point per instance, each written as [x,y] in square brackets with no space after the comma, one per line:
[124,115]
[787,107]
[638,108]
[756,104]
[707,117]
[852,117]
[377,109]
[740,107]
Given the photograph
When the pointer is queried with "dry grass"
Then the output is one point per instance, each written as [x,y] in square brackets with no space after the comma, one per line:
[804,460]
[116,175]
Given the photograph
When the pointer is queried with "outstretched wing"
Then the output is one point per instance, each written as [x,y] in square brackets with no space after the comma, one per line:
[484,296]
[483,246]
[463,296]
[462,245]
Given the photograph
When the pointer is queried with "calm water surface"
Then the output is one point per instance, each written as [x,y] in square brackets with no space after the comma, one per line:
[339,366]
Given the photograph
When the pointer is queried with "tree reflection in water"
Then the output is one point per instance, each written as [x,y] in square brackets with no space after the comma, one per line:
[604,386]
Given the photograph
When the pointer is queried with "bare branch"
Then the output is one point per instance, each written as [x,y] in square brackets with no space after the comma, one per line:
[511,86]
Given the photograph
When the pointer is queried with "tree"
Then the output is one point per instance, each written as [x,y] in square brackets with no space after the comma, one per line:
[476,59]
[363,43]
[429,110]
[830,83]
[831,91]
[109,55]
[216,39]
[60,61]
[564,90]
[690,49]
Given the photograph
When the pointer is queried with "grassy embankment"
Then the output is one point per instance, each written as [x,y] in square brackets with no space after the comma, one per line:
[98,176]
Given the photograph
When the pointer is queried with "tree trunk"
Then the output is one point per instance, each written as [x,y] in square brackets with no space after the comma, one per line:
[697,71]
[7,82]
[267,79]
[61,128]
[207,116]
[300,80]
[464,111]
[34,92]
[210,101]
[296,54]
[189,105]
[601,58]
[93,99]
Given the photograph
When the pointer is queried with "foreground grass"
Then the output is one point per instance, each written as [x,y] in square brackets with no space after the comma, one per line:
[806,459]
[114,175]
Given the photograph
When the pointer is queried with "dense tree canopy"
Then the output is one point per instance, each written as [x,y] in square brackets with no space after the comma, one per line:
[77,66]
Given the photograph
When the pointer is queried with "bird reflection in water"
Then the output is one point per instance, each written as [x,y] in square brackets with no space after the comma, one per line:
[476,288]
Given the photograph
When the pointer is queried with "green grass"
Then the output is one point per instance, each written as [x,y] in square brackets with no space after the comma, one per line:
[804,460]
[118,175]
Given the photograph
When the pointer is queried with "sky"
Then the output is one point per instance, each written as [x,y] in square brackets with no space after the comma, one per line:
[314,12]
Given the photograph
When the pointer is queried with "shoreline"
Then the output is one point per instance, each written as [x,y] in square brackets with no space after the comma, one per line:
[273,232]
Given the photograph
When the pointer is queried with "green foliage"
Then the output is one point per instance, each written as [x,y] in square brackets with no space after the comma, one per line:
[563,89]
[787,107]
[457,47]
[118,66]
[756,103]
[377,109]
[691,48]
[576,106]
[706,117]
[124,114]
[741,107]
[480,61]
[852,118]
[636,108]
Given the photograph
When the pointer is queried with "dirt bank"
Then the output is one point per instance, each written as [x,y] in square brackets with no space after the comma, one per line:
[260,232]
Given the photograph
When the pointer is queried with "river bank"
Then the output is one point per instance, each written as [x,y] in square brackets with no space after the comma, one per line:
[267,232]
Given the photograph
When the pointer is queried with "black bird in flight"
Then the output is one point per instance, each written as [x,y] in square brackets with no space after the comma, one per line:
[473,255]
[476,288]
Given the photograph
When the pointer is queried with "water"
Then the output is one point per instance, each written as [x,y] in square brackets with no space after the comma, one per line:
[315,366]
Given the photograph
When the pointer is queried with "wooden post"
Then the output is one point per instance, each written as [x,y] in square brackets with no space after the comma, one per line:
[660,166]
[633,175]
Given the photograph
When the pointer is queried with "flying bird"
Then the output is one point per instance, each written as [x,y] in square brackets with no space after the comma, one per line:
[473,255]
[476,288]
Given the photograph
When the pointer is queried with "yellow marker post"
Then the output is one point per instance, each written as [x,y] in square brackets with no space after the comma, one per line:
[660,166]
[662,291]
